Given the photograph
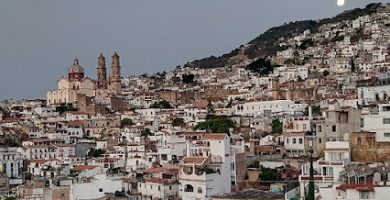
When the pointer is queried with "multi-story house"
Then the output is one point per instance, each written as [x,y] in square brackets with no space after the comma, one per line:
[339,123]
[206,170]
[11,161]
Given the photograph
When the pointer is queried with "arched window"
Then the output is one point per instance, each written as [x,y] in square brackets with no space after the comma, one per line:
[188,188]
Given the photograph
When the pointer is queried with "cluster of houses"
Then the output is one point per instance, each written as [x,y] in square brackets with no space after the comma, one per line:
[138,137]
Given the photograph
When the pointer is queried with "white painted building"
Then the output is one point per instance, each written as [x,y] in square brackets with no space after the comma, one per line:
[254,108]
[206,170]
[11,161]
[378,123]
[96,187]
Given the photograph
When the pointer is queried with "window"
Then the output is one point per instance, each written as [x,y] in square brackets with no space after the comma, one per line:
[319,128]
[386,120]
[361,122]
[304,127]
[287,141]
[199,190]
[386,134]
[294,140]
[188,188]
[334,128]
[300,140]
[100,189]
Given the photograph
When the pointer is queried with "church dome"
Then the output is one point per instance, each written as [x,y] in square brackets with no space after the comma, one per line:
[76,68]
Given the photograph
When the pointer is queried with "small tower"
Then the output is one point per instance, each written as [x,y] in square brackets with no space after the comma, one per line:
[115,78]
[75,71]
[101,73]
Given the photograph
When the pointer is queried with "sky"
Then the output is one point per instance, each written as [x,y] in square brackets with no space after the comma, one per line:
[39,39]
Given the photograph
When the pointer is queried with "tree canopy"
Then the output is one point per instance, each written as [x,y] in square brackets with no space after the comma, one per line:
[146,132]
[178,122]
[261,66]
[161,104]
[188,78]
[95,152]
[219,125]
[126,121]
[65,108]
[277,126]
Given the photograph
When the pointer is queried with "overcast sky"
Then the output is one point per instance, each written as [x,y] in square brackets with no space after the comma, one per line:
[40,38]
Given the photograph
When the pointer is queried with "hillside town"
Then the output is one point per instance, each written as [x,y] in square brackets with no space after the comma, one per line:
[317,111]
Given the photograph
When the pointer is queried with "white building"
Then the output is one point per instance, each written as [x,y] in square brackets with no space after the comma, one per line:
[254,108]
[11,161]
[378,123]
[206,170]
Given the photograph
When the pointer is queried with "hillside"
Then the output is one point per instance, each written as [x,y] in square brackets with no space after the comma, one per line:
[266,44]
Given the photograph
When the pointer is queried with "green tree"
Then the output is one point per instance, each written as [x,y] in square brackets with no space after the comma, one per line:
[268,174]
[310,192]
[306,43]
[277,126]
[65,108]
[146,132]
[95,152]
[188,78]
[178,122]
[325,73]
[316,110]
[219,125]
[126,121]
[261,66]
[164,104]
[10,198]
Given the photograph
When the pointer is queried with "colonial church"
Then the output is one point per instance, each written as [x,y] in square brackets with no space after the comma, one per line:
[68,88]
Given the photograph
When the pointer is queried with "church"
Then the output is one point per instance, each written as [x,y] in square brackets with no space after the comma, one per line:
[69,87]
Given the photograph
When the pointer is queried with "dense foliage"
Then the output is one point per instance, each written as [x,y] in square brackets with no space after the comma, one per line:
[178,122]
[219,125]
[261,66]
[65,108]
[126,121]
[277,126]
[95,152]
[188,78]
[161,104]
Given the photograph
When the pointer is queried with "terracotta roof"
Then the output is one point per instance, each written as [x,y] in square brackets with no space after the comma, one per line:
[264,148]
[214,136]
[160,170]
[360,187]
[80,168]
[194,159]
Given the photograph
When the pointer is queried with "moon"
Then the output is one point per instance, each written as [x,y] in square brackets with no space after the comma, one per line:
[340,2]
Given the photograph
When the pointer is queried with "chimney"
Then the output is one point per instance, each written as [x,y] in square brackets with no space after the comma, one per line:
[188,144]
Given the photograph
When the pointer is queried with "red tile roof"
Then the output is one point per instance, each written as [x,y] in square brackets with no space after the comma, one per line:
[360,187]
[80,168]
[160,170]
[194,159]
[214,136]
[264,148]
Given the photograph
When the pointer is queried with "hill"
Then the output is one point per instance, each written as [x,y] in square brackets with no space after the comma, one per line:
[267,44]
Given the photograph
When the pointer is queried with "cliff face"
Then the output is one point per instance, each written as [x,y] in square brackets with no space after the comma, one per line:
[266,44]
